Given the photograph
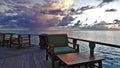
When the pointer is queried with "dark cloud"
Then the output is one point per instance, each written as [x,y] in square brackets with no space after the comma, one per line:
[20,8]
[66,20]
[86,8]
[16,2]
[57,11]
[9,11]
[105,1]
[81,10]
[44,15]
[22,1]
[72,10]
[16,21]
[1,3]
[110,10]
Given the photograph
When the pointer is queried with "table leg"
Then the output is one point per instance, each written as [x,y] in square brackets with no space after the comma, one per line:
[59,64]
[70,66]
[86,66]
[92,65]
[100,64]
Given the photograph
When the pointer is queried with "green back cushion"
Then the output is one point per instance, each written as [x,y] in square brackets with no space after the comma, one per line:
[58,40]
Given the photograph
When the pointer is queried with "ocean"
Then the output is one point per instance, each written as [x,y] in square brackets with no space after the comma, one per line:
[111,55]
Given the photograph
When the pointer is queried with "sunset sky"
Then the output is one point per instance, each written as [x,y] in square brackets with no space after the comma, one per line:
[45,13]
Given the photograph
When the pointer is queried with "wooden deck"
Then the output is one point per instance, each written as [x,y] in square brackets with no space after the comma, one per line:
[29,57]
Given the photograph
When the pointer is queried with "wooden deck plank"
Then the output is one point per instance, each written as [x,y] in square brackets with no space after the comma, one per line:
[33,57]
[1,62]
[41,63]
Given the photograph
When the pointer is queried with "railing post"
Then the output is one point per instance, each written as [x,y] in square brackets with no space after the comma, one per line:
[29,36]
[19,41]
[92,46]
[11,39]
[74,42]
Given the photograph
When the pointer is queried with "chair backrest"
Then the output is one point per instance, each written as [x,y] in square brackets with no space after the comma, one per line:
[25,38]
[58,40]
[7,36]
[1,36]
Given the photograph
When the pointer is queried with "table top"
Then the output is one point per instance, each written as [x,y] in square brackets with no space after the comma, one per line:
[78,58]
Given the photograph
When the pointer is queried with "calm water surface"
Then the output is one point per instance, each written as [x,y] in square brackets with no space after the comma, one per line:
[111,55]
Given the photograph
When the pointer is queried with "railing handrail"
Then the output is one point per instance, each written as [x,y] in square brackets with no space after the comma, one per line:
[96,42]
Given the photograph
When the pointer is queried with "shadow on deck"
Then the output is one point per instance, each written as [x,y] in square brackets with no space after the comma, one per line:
[30,57]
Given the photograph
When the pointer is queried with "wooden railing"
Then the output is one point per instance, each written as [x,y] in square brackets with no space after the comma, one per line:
[92,44]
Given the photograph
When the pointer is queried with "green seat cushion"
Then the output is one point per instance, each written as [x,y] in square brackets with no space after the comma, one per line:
[58,40]
[63,50]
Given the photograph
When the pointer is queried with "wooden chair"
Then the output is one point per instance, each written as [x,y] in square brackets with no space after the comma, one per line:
[1,39]
[6,39]
[58,44]
[42,41]
[21,40]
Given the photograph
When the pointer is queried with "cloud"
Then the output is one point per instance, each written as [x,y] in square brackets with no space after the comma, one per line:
[66,20]
[86,8]
[50,13]
[105,1]
[22,1]
[1,2]
[43,15]
[110,10]
[80,10]
[57,11]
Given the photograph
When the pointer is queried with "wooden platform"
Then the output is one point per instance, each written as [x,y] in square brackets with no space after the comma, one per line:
[29,57]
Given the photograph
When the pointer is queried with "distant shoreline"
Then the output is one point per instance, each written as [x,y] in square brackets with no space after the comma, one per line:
[14,29]
[75,29]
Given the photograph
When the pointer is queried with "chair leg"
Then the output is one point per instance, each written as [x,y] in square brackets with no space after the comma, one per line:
[92,66]
[10,44]
[46,54]
[46,57]
[53,64]
[19,45]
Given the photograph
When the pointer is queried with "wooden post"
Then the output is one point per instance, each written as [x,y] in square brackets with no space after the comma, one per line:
[3,40]
[10,40]
[74,43]
[39,40]
[92,46]
[29,38]
[100,64]
[19,41]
